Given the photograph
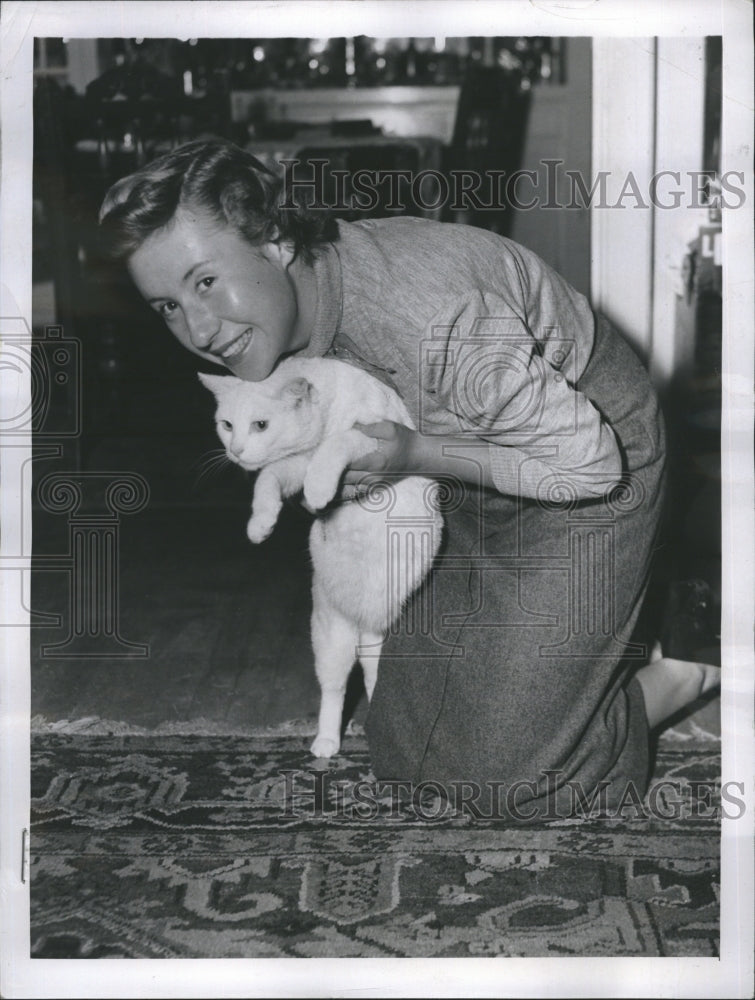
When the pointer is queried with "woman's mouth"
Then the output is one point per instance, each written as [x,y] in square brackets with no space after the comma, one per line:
[237,347]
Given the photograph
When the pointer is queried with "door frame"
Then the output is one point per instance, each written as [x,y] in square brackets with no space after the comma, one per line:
[651,122]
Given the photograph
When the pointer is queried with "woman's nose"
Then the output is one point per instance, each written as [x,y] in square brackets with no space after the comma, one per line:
[203,327]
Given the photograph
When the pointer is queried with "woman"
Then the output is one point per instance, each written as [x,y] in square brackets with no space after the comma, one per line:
[522,693]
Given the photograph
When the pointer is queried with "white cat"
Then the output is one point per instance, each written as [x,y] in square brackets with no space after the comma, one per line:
[296,427]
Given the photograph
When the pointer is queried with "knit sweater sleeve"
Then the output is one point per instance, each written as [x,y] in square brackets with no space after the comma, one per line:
[483,375]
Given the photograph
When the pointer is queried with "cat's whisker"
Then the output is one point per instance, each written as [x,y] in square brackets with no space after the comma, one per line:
[210,465]
[209,456]
[209,460]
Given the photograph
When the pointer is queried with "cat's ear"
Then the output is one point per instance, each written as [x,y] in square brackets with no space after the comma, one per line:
[297,390]
[217,384]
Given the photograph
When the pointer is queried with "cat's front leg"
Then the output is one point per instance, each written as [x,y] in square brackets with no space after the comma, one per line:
[275,481]
[266,505]
[328,463]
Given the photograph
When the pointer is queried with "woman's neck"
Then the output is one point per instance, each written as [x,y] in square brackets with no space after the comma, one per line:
[304,282]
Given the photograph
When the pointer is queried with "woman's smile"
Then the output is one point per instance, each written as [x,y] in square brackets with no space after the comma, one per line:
[232,352]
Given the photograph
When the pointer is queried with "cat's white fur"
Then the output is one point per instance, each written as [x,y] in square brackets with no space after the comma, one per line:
[296,428]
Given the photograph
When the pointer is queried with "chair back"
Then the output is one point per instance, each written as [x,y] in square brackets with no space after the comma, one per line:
[490,128]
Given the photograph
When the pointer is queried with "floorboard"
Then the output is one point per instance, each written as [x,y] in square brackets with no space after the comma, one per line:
[226,623]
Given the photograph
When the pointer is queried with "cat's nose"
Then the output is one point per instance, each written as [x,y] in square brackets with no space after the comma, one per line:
[236,448]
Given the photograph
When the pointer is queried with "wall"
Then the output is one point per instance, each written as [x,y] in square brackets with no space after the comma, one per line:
[83,65]
[560,128]
[397,110]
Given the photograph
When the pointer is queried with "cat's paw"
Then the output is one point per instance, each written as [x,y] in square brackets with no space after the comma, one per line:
[259,528]
[323,746]
[320,487]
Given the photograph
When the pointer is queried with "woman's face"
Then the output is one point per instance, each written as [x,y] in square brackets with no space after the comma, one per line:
[225,300]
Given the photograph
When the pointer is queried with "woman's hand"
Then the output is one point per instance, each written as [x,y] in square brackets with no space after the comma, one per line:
[394,451]
[393,454]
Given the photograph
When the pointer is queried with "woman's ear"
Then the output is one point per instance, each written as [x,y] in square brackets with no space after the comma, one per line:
[281,250]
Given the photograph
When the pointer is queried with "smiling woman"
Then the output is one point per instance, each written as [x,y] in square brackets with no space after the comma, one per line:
[209,246]
[227,301]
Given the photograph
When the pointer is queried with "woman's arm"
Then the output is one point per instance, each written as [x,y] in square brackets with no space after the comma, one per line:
[495,407]
[485,377]
[402,450]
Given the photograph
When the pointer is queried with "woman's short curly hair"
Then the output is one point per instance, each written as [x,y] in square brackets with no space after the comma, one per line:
[221,178]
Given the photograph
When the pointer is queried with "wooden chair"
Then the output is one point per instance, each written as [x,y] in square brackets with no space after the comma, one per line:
[489,133]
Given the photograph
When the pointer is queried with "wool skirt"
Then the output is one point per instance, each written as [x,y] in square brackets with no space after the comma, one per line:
[508,682]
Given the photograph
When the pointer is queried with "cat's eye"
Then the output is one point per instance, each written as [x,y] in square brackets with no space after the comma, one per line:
[226,425]
[261,425]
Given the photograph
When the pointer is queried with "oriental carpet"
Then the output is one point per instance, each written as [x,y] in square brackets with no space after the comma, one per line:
[177,845]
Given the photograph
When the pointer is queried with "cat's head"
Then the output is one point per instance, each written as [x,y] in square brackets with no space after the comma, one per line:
[261,422]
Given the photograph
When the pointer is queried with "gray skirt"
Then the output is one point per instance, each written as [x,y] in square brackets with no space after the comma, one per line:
[509,681]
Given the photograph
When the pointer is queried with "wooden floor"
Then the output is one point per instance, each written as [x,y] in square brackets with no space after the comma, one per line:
[226,624]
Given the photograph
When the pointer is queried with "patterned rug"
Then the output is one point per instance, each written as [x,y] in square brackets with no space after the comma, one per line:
[179,846]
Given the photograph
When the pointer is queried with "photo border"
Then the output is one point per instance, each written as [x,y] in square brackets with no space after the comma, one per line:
[729,976]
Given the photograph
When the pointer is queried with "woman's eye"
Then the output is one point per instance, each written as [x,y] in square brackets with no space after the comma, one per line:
[166,309]
[206,283]
[260,424]
[226,425]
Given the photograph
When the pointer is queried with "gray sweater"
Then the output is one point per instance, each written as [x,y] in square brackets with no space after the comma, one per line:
[481,338]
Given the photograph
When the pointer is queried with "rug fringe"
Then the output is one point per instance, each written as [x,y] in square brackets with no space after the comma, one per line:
[95,726]
[688,732]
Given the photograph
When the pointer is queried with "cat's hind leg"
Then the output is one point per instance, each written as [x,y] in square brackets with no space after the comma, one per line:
[334,640]
[370,647]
